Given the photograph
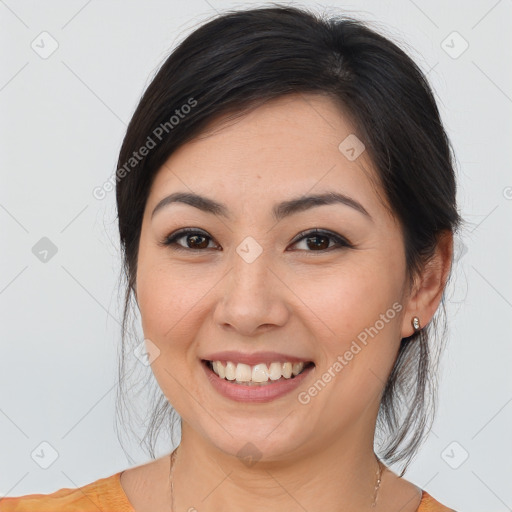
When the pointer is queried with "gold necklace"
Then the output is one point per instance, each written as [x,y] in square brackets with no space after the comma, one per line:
[173,457]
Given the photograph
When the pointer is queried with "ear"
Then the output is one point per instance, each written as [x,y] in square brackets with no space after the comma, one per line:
[428,287]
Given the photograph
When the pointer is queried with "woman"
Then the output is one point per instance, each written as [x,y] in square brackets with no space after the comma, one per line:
[286,203]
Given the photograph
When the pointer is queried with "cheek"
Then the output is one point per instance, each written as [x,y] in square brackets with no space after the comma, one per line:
[172,297]
[169,304]
[358,348]
[165,297]
[358,330]
[346,301]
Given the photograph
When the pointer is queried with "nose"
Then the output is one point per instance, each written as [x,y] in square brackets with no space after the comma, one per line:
[252,297]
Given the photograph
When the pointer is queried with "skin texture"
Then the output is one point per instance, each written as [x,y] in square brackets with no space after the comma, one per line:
[294,298]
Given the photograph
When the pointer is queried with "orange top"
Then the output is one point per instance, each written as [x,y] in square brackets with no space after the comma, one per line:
[107,495]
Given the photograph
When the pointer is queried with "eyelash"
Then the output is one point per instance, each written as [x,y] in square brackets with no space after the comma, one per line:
[171,240]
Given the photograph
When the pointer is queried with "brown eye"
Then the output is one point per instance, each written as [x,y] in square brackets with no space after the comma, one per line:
[319,241]
[314,240]
[194,240]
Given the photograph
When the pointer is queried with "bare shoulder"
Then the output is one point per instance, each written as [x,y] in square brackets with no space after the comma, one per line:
[150,469]
[145,485]
[400,494]
[397,493]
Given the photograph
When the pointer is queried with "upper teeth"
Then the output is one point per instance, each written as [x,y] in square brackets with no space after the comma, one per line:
[257,373]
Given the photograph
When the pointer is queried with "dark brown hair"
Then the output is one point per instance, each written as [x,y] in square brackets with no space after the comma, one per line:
[236,62]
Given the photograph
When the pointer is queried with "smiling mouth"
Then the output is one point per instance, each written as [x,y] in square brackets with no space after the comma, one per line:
[258,374]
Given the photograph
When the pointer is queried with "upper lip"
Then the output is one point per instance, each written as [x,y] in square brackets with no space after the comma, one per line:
[254,358]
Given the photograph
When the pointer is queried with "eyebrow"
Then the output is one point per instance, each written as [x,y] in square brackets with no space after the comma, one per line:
[279,211]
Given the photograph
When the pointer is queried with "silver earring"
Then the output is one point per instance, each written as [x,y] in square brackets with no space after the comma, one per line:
[415,323]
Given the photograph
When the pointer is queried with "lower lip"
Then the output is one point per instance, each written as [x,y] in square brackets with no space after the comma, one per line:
[259,394]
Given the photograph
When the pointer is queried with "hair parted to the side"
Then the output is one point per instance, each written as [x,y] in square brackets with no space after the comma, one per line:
[241,59]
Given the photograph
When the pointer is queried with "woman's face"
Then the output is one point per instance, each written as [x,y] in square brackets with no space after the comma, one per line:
[246,281]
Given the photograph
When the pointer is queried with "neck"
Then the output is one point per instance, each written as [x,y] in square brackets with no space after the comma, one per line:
[338,476]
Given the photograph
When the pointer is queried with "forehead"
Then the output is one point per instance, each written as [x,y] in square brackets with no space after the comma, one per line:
[288,146]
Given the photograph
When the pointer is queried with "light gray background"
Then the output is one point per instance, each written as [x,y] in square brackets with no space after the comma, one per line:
[62,122]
